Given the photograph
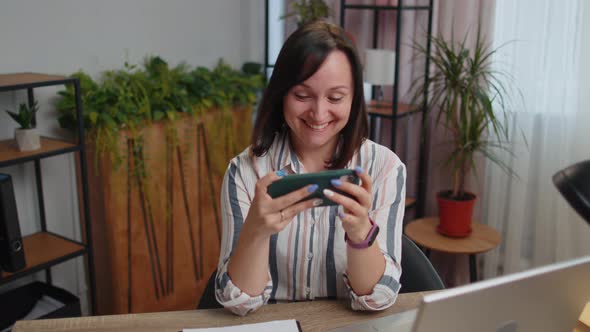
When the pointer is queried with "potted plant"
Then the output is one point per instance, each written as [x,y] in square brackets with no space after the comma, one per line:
[469,98]
[26,136]
[308,11]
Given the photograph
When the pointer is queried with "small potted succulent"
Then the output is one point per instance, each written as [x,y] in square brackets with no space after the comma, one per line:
[307,11]
[26,136]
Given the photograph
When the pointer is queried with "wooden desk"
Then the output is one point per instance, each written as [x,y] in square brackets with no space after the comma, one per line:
[320,315]
[482,238]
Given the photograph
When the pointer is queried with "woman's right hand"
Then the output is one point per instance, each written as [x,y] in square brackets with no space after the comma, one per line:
[268,216]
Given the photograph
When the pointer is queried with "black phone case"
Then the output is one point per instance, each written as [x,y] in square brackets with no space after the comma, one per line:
[293,182]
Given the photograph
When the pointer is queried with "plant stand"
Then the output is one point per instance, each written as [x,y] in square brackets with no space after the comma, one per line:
[482,239]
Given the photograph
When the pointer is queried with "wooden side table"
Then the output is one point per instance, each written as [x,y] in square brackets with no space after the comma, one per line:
[482,238]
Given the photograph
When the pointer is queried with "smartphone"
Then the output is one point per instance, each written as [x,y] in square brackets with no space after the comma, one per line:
[290,183]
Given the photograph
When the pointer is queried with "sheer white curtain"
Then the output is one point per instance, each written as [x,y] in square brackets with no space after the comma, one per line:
[547,55]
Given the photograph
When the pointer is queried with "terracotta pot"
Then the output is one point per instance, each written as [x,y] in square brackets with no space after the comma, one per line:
[455,215]
[351,37]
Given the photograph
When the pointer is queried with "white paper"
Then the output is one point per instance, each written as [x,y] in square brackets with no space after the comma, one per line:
[272,326]
[45,305]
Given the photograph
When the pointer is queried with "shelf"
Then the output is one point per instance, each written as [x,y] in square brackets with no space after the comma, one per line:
[46,249]
[18,81]
[43,250]
[384,109]
[10,155]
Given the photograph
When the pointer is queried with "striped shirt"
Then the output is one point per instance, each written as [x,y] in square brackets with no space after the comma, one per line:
[307,259]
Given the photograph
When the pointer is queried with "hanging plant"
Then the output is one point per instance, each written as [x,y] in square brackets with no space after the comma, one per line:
[133,97]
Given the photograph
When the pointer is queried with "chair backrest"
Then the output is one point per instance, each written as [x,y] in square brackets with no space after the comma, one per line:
[574,184]
[418,274]
[208,300]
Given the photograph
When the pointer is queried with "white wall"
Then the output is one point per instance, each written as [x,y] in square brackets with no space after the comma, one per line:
[63,36]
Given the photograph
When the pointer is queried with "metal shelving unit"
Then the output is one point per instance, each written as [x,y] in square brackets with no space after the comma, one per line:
[396,110]
[46,249]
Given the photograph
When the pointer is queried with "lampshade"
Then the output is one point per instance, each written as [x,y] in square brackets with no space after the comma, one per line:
[574,185]
[379,66]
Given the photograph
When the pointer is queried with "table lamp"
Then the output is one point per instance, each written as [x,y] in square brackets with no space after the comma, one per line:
[574,184]
[379,70]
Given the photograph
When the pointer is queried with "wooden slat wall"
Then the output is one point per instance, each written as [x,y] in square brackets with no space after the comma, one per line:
[109,209]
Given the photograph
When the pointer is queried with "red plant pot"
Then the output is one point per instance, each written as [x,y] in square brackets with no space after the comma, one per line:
[455,215]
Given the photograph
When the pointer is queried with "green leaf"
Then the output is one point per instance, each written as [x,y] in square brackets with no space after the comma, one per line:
[170,115]
[93,117]
[469,98]
[158,115]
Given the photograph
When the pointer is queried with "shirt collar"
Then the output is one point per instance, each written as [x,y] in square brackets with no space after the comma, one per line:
[286,158]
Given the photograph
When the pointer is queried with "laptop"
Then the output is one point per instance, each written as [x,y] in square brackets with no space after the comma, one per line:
[547,298]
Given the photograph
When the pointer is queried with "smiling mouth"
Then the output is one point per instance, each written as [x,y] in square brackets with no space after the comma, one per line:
[317,126]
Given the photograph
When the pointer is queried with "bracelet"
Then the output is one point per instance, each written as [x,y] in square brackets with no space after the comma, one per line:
[368,240]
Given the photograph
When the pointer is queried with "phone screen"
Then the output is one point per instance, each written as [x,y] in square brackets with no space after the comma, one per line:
[293,182]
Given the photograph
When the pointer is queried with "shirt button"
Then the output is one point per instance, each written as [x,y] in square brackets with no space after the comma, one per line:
[309,256]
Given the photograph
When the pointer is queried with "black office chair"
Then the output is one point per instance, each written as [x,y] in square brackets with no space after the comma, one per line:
[208,300]
[417,275]
[574,185]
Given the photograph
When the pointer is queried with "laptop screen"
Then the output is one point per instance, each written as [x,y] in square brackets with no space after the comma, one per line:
[548,298]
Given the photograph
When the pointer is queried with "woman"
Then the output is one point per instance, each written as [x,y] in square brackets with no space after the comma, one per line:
[312,117]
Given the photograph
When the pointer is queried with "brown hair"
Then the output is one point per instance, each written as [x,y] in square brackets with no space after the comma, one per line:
[300,57]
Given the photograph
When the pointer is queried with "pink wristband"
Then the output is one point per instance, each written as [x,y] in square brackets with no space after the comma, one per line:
[368,240]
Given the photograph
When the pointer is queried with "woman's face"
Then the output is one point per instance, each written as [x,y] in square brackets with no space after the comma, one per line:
[318,109]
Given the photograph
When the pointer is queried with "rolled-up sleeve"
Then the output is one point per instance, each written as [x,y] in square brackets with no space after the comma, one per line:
[232,298]
[235,203]
[388,212]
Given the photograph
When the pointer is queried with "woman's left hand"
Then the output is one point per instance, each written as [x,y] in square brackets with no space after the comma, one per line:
[355,217]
